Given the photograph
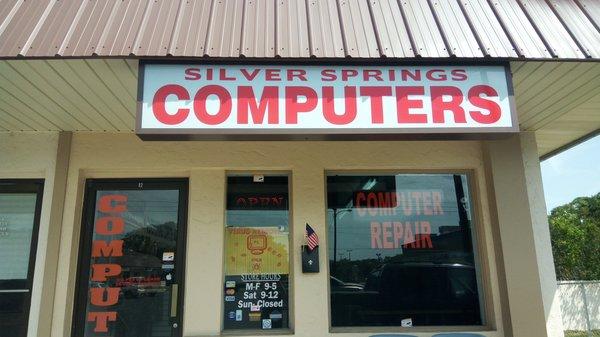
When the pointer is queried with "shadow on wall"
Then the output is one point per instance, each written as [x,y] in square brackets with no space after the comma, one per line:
[573,304]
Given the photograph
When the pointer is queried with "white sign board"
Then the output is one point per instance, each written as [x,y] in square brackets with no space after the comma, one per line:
[209,99]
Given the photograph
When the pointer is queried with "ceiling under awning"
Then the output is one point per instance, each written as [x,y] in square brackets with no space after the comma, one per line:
[72,64]
[560,101]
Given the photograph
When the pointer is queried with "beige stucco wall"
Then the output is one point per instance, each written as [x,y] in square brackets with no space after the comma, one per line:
[206,163]
[513,255]
[541,234]
[525,253]
[26,156]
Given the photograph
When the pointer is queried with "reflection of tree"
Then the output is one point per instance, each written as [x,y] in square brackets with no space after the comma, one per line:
[336,212]
[355,271]
[152,239]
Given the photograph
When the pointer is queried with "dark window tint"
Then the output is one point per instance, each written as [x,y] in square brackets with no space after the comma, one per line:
[401,251]
[132,259]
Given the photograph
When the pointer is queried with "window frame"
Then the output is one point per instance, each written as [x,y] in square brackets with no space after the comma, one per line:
[480,254]
[34,186]
[291,303]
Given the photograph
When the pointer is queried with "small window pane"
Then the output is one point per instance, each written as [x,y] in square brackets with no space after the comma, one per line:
[401,251]
[256,253]
[17,212]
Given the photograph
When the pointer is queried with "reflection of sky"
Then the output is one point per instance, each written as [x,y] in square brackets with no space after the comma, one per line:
[354,229]
[258,218]
[145,208]
[17,212]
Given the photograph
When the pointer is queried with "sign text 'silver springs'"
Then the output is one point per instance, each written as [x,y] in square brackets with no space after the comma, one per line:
[257,99]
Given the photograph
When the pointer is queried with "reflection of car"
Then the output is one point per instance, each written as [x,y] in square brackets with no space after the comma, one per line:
[96,284]
[339,285]
[428,293]
[137,286]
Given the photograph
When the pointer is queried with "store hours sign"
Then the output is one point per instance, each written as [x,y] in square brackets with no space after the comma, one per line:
[256,291]
[299,101]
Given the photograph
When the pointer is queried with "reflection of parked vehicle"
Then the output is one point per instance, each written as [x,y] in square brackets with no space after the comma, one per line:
[96,284]
[338,285]
[428,293]
[141,286]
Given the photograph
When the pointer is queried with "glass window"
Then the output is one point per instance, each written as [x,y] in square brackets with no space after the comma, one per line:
[17,212]
[256,290]
[20,206]
[401,251]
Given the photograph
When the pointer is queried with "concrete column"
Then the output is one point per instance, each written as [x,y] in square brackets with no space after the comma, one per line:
[44,281]
[203,307]
[310,302]
[523,237]
[541,235]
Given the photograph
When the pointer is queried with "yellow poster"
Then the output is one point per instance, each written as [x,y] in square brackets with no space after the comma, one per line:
[256,250]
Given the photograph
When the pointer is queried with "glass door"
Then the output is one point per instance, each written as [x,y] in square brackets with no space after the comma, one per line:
[132,258]
[20,205]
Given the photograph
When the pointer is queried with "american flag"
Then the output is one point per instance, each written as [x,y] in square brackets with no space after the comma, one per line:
[311,238]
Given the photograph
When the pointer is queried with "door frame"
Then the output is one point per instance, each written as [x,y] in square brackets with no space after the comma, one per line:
[27,186]
[92,186]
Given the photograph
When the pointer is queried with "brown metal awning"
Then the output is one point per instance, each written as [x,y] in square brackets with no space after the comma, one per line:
[85,77]
[477,29]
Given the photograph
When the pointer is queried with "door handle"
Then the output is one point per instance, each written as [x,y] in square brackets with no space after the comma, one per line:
[14,290]
[174,294]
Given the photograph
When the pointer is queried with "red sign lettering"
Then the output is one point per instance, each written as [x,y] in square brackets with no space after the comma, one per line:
[113,204]
[314,100]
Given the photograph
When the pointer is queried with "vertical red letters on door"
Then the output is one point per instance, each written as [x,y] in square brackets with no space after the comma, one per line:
[110,224]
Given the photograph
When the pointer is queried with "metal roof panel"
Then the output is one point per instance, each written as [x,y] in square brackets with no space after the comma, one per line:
[520,29]
[390,29]
[189,36]
[591,9]
[488,28]
[579,25]
[324,29]
[20,27]
[88,27]
[428,42]
[301,28]
[54,29]
[8,8]
[156,28]
[258,29]
[456,29]
[551,29]
[292,29]
[225,29]
[357,28]
[124,26]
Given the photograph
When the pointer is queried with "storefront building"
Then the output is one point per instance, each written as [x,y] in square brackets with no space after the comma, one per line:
[164,164]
